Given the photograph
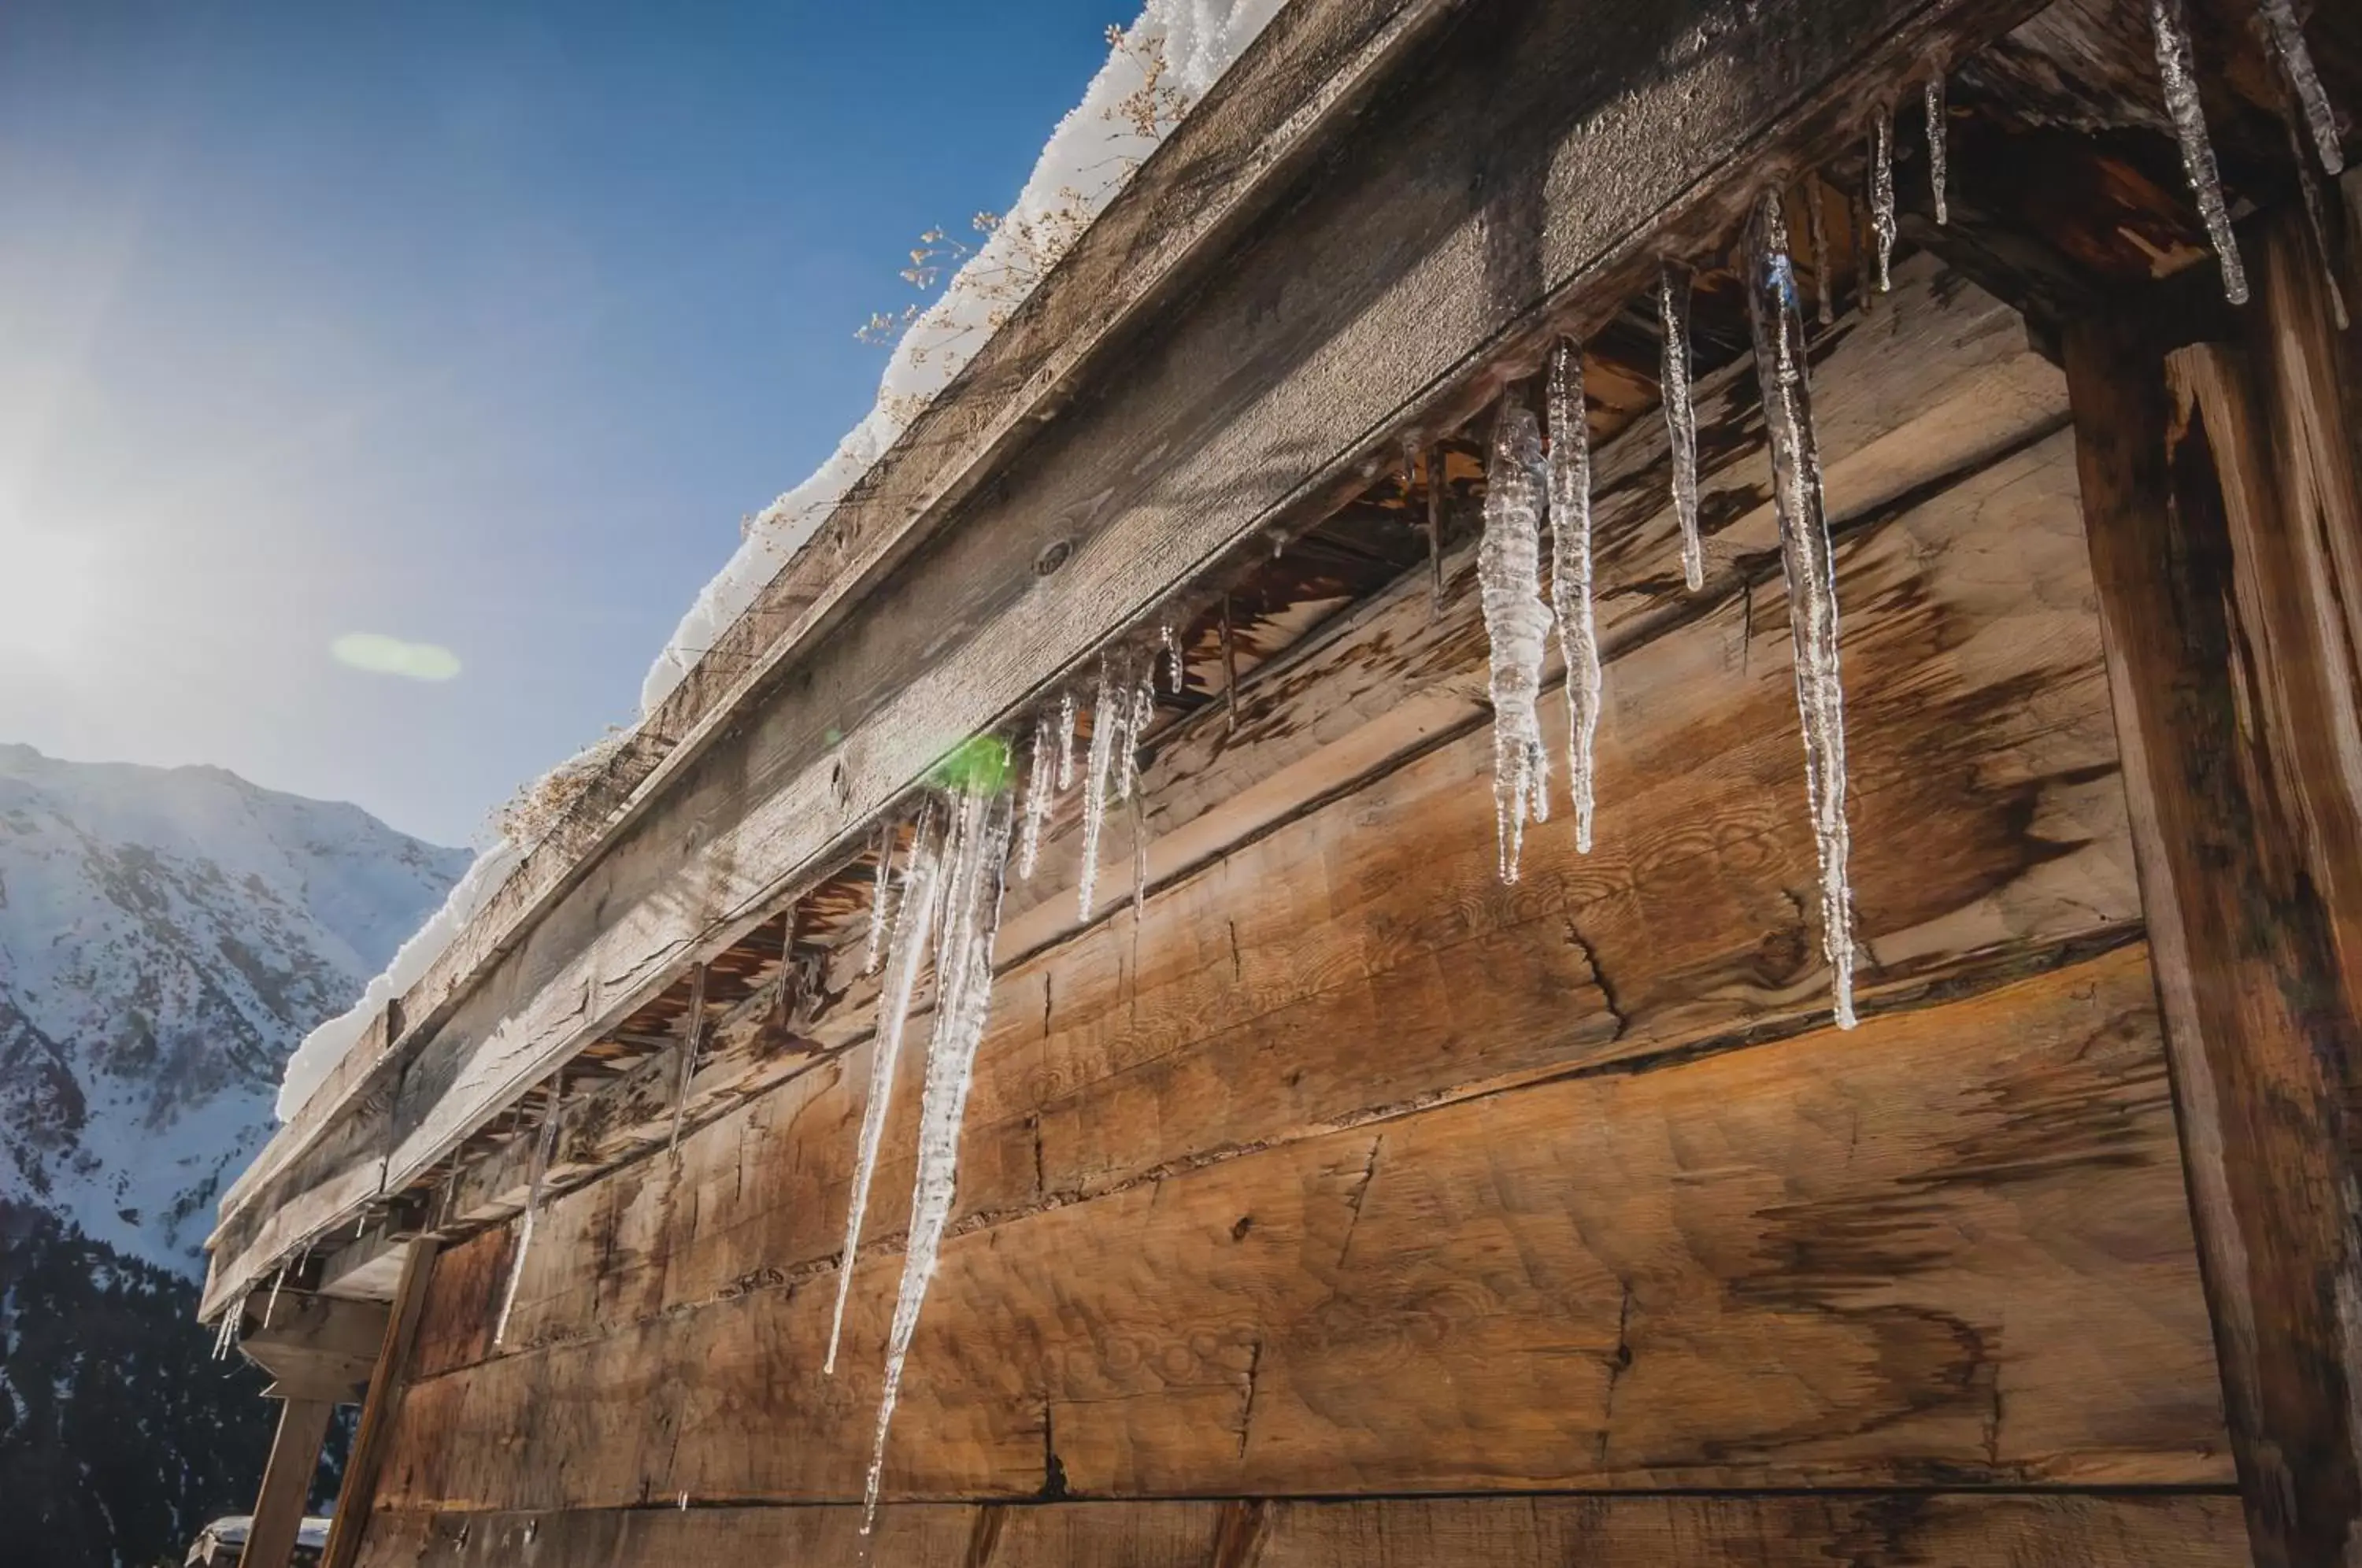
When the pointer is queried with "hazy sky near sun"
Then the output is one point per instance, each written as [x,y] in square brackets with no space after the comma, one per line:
[437,326]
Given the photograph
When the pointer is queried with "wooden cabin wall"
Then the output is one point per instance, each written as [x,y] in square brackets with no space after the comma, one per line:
[1352,1208]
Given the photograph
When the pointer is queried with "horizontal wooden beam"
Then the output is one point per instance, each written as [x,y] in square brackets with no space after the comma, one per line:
[1530,164]
[1865,1529]
[316,1347]
[1951,1245]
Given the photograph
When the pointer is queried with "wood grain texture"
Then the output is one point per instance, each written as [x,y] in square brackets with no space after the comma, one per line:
[1939,384]
[1863,1531]
[1991,835]
[1948,1248]
[1604,133]
[2225,534]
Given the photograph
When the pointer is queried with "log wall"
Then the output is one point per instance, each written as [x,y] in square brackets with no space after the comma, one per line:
[1531,1220]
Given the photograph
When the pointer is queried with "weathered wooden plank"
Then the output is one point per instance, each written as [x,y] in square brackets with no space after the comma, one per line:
[358,1496]
[1991,835]
[1950,1247]
[316,1347]
[1865,1531]
[1533,157]
[2224,534]
[287,1475]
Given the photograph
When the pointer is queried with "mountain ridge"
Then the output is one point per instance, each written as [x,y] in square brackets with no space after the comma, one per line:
[167,935]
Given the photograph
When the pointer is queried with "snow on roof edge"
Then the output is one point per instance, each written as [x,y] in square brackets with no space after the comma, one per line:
[1087,158]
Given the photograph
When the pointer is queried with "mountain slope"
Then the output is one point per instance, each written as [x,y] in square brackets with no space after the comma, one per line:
[166,936]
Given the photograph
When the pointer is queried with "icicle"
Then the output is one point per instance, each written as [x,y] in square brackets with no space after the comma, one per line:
[2174,67]
[963,1003]
[1940,160]
[878,899]
[1065,742]
[2316,213]
[1569,521]
[1883,225]
[544,1144]
[1806,559]
[2286,35]
[913,923]
[1176,668]
[1143,713]
[1038,794]
[271,1305]
[692,1042]
[1108,714]
[1680,415]
[1517,624]
[227,1334]
[1823,281]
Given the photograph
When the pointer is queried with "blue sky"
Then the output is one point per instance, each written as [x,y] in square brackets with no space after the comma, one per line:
[476,325]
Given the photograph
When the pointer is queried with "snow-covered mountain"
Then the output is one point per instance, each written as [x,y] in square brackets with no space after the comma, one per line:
[166,936]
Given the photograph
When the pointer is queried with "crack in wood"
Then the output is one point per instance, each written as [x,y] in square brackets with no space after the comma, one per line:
[1354,1199]
[1619,1363]
[1246,1409]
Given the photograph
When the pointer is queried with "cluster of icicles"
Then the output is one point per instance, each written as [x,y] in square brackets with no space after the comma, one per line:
[1537,478]
[1533,475]
[2304,109]
[945,903]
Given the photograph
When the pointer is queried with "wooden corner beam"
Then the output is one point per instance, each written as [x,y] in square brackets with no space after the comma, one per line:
[387,1381]
[2220,503]
[287,1483]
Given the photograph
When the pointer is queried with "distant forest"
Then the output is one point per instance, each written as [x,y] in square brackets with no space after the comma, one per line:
[120,1436]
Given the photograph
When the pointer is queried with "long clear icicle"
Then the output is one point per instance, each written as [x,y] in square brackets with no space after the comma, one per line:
[879,897]
[1777,315]
[1516,624]
[1138,716]
[2176,68]
[1939,150]
[962,1007]
[545,1144]
[1169,636]
[2317,220]
[1884,226]
[1040,792]
[1680,413]
[1110,714]
[1570,522]
[1065,742]
[913,923]
[2286,35]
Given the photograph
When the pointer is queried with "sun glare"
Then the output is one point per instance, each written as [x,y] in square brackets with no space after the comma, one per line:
[49,594]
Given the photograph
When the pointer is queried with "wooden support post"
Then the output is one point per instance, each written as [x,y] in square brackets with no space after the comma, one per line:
[2220,500]
[287,1481]
[386,1383]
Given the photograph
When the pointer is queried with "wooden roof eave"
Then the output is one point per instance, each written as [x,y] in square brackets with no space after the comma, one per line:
[1524,172]
[1311,68]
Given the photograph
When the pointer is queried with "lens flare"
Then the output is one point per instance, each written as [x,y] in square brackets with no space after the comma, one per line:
[382,655]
